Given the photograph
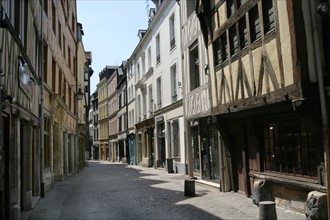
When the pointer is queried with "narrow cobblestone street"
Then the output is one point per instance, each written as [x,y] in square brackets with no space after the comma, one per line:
[117,191]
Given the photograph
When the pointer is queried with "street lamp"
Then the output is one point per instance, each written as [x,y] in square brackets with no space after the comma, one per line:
[79,94]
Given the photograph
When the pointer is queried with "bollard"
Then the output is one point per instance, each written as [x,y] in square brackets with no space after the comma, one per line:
[189,187]
[267,210]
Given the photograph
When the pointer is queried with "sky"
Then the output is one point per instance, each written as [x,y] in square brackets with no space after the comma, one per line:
[110,30]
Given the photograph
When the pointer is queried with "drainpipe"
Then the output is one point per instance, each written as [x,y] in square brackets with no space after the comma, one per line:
[42,184]
[325,127]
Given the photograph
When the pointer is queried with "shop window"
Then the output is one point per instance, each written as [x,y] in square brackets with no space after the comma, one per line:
[268,15]
[290,149]
[176,138]
[254,23]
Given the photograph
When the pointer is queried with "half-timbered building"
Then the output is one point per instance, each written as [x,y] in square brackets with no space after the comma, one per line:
[201,139]
[267,66]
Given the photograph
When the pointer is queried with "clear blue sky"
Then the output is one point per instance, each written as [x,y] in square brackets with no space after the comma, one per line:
[110,28]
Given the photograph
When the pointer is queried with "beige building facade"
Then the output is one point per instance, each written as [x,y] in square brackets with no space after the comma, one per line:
[39,68]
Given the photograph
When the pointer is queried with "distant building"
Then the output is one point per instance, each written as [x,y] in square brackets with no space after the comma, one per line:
[112,104]
[102,88]
[95,120]
[123,149]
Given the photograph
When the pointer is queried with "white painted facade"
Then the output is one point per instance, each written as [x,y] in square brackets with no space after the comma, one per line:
[167,95]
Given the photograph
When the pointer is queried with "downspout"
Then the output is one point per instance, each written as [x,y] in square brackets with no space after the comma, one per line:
[325,127]
[42,184]
[76,149]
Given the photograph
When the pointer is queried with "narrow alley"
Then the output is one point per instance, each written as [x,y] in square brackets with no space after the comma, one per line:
[106,190]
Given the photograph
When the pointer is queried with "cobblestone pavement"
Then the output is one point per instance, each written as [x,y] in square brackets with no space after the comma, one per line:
[116,191]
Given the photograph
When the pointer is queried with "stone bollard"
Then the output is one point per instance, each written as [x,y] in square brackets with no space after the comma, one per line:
[267,210]
[189,187]
[316,206]
[261,192]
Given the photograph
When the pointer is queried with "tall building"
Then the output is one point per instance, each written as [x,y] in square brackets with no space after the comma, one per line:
[158,115]
[268,76]
[40,95]
[201,136]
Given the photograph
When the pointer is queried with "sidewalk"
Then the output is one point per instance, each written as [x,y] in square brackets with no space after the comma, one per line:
[227,205]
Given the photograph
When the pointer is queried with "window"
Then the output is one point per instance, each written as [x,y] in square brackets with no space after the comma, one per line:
[70,97]
[240,3]
[230,7]
[138,71]
[149,57]
[120,123]
[60,84]
[138,113]
[20,22]
[9,7]
[243,36]
[54,17]
[151,101]
[119,100]
[290,149]
[46,7]
[69,58]
[194,66]
[220,47]
[172,32]
[173,83]
[144,105]
[143,65]
[45,55]
[254,23]
[159,92]
[233,40]
[191,4]
[268,15]
[157,49]
[47,152]
[54,75]
[73,20]
[60,35]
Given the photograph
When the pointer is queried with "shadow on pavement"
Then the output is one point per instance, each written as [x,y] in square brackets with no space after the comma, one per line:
[117,191]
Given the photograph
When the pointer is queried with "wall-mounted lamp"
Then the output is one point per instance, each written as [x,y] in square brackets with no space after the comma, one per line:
[179,84]
[79,94]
